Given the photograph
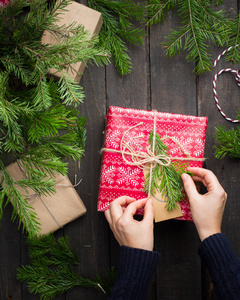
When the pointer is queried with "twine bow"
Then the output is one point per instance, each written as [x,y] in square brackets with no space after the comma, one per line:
[148,160]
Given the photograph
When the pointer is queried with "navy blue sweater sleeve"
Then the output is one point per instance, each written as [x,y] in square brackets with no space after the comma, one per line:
[135,270]
[223,266]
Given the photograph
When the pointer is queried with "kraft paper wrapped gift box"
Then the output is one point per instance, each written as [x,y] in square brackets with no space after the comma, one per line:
[80,14]
[56,210]
[118,178]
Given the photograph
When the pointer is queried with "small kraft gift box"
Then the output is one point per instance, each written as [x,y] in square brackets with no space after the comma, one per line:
[80,14]
[184,136]
[55,210]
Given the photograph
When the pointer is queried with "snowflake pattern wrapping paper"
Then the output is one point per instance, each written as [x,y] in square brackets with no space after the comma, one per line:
[118,178]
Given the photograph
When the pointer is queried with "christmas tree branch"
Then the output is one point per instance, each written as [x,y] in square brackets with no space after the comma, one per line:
[229,142]
[199,25]
[118,29]
[51,271]
[21,208]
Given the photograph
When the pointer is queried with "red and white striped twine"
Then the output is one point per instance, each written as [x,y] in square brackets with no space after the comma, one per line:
[237,77]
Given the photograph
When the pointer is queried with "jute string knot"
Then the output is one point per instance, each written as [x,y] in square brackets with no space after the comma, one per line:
[147,160]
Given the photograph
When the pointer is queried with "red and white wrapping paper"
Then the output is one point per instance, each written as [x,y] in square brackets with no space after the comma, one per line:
[118,178]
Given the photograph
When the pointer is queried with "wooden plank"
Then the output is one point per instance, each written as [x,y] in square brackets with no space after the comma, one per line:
[10,257]
[226,170]
[131,91]
[89,235]
[173,89]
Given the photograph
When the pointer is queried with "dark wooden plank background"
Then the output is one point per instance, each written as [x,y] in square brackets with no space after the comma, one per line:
[168,85]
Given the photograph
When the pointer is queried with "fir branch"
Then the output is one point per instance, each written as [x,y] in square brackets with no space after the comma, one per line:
[229,142]
[38,121]
[166,179]
[158,12]
[51,271]
[43,159]
[234,40]
[200,24]
[21,208]
[41,97]
[118,29]
[69,91]
[48,123]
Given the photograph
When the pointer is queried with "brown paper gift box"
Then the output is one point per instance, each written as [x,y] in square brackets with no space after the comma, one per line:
[81,15]
[61,208]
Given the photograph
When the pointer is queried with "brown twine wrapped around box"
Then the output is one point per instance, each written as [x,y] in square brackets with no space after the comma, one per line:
[148,160]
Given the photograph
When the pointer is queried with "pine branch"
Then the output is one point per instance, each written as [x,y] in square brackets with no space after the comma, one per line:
[200,25]
[51,271]
[39,123]
[69,91]
[229,142]
[158,11]
[21,208]
[118,29]
[234,40]
[166,179]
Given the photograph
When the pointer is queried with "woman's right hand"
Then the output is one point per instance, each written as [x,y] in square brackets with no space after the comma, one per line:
[207,210]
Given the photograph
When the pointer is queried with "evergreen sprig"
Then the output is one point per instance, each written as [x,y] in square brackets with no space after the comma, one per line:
[166,179]
[52,269]
[233,54]
[118,29]
[46,138]
[40,125]
[229,142]
[200,24]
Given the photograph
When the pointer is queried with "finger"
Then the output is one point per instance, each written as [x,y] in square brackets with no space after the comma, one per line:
[199,179]
[148,212]
[189,186]
[116,206]
[133,207]
[108,216]
[208,178]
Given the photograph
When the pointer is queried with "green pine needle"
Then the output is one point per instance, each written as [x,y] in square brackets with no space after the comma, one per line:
[229,142]
[118,29]
[51,271]
[200,24]
[166,179]
[39,121]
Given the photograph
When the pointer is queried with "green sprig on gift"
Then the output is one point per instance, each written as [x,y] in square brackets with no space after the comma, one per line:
[166,179]
[52,270]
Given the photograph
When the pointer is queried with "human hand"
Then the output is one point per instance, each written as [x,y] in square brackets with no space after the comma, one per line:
[128,231]
[207,210]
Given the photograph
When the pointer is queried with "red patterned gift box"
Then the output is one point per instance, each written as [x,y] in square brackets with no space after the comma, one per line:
[119,178]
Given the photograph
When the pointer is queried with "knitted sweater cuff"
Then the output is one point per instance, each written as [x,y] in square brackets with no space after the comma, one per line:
[136,267]
[138,262]
[216,251]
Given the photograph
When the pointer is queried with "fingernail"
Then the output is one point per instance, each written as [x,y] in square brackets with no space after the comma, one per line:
[184,176]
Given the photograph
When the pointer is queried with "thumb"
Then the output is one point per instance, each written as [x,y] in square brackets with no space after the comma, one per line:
[131,209]
[189,186]
[148,212]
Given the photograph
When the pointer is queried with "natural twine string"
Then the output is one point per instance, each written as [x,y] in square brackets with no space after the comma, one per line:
[31,198]
[148,160]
